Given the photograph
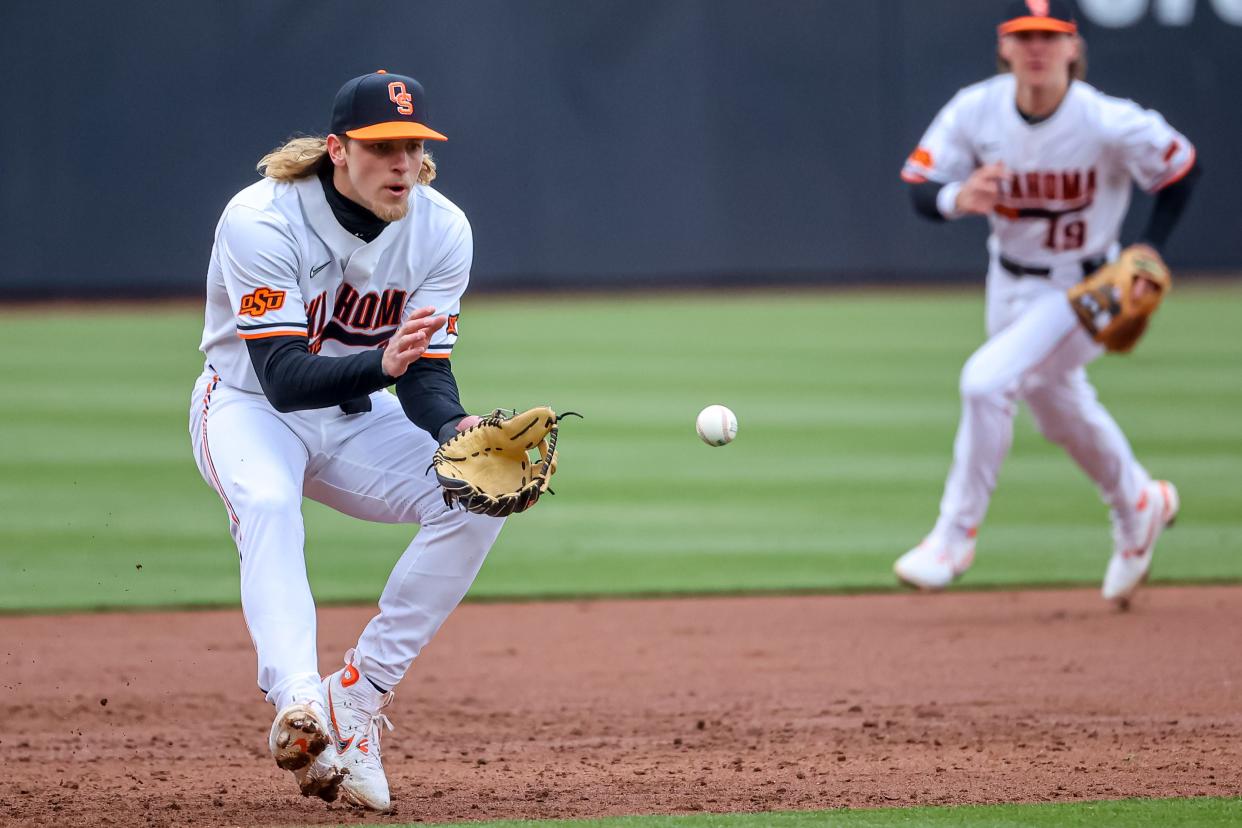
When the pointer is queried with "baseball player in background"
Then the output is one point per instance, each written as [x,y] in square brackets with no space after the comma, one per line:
[339,274]
[1049,160]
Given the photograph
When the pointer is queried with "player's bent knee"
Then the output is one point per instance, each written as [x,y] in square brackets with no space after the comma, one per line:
[269,500]
[442,514]
[461,523]
[424,509]
[976,387]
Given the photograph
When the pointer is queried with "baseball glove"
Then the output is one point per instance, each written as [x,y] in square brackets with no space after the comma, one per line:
[1116,302]
[488,468]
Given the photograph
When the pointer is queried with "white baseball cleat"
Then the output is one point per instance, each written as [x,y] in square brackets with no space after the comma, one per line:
[355,708]
[936,562]
[1134,540]
[301,741]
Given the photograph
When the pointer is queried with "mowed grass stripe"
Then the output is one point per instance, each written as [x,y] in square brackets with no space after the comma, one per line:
[1130,813]
[847,404]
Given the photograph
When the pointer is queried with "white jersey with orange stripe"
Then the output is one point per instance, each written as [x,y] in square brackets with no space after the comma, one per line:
[283,265]
[1069,176]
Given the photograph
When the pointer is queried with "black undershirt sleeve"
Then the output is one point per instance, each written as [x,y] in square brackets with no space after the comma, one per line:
[428,394]
[923,195]
[1167,211]
[293,379]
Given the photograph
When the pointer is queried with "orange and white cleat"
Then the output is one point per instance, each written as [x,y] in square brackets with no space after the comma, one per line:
[1134,540]
[356,710]
[936,562]
[301,741]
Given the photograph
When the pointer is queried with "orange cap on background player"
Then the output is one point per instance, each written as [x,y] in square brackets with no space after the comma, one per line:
[380,106]
[1038,16]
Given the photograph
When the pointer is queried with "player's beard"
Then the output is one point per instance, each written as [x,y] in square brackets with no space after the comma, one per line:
[391,212]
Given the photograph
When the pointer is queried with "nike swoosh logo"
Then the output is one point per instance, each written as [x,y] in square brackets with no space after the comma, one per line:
[342,745]
[315,270]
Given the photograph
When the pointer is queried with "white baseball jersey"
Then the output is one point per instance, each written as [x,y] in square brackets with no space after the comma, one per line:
[1069,176]
[282,264]
[1063,200]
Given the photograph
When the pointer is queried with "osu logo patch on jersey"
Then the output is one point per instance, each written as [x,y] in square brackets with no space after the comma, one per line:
[451,328]
[921,157]
[261,301]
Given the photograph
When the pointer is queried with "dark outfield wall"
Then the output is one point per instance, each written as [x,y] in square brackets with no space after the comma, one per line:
[592,141]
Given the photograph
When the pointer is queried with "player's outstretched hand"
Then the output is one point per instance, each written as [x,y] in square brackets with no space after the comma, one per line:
[982,190]
[411,340]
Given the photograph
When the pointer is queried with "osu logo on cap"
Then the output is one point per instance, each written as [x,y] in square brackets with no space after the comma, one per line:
[261,301]
[403,99]
[1039,8]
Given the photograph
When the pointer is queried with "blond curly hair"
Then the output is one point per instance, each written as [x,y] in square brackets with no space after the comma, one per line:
[300,157]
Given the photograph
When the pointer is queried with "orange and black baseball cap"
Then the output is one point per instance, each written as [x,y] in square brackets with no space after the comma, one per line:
[1038,16]
[380,106]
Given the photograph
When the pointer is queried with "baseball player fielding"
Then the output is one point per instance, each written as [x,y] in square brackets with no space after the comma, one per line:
[338,274]
[1049,160]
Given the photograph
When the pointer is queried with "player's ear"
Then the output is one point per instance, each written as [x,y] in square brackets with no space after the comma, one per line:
[1078,66]
[336,150]
[1004,52]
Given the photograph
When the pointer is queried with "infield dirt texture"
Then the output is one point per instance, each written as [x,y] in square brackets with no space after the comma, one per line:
[624,705]
[660,706]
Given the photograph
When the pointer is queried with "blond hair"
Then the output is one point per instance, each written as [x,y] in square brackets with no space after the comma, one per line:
[300,158]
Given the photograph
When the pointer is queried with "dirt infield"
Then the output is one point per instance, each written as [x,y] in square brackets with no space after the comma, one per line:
[613,707]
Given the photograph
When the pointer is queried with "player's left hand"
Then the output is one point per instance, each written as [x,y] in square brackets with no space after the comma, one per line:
[468,422]
[1144,286]
[487,467]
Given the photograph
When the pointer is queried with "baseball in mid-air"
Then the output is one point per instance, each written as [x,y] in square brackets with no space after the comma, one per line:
[716,425]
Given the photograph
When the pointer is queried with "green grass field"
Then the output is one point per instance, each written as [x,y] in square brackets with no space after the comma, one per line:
[1133,813]
[847,404]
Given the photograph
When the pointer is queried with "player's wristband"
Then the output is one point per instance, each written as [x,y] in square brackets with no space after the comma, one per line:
[946,200]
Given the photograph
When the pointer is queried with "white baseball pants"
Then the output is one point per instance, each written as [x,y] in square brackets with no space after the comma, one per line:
[1036,353]
[373,466]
